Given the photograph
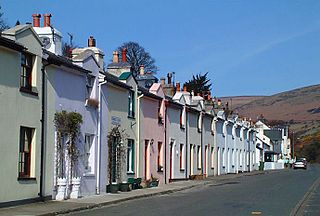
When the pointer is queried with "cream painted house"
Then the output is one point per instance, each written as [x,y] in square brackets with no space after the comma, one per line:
[20,111]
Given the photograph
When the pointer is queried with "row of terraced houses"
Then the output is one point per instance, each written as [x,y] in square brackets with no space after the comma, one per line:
[134,128]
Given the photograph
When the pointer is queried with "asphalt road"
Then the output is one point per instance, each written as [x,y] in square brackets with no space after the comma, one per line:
[276,193]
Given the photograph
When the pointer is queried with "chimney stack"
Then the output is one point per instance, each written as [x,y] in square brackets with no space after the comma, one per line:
[178,87]
[115,57]
[169,78]
[185,88]
[36,20]
[141,68]
[209,95]
[124,55]
[47,20]
[91,42]
[163,81]
[198,94]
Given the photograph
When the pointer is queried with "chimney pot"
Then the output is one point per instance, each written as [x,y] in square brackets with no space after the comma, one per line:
[91,42]
[141,70]
[115,57]
[47,20]
[124,55]
[198,94]
[178,87]
[185,88]
[169,78]
[163,81]
[36,20]
[209,95]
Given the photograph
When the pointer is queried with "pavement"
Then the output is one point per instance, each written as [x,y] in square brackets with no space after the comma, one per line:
[53,207]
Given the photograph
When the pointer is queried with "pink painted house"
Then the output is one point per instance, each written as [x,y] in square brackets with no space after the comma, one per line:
[152,132]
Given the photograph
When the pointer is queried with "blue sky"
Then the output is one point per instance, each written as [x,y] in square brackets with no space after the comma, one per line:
[248,47]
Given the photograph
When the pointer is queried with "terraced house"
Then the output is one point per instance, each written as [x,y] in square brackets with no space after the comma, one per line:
[131,130]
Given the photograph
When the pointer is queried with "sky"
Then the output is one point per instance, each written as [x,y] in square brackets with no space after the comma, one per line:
[247,47]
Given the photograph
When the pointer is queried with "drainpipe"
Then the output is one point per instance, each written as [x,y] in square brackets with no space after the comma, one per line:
[138,135]
[165,143]
[201,142]
[186,125]
[99,138]
[42,150]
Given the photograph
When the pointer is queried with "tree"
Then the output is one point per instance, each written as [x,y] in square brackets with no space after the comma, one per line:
[3,24]
[136,56]
[199,84]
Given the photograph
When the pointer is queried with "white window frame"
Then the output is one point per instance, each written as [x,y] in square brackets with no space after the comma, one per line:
[89,152]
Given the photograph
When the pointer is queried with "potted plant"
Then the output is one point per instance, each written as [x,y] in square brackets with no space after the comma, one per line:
[61,191]
[153,182]
[75,191]
[116,162]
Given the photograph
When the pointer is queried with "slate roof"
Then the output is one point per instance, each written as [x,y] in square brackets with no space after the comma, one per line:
[149,94]
[60,60]
[114,80]
[11,44]
[273,134]
[119,65]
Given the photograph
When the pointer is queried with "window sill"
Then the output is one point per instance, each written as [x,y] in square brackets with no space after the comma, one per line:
[212,168]
[160,171]
[130,172]
[28,91]
[131,117]
[199,168]
[182,169]
[89,175]
[26,179]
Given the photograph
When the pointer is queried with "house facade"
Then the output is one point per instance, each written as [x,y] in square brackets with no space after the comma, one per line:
[20,111]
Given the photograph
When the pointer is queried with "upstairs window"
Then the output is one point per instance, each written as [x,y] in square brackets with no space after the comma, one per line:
[131,104]
[183,118]
[26,72]
[26,136]
[89,86]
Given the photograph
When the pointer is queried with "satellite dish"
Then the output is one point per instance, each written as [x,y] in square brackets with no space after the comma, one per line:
[46,42]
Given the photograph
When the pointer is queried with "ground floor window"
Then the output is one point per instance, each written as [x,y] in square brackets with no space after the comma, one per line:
[89,153]
[25,148]
[199,156]
[130,156]
[182,157]
[160,157]
[212,157]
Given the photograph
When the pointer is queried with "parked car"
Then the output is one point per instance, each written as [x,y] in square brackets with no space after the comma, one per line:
[300,163]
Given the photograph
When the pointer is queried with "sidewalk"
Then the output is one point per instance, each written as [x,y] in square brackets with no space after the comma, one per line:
[53,207]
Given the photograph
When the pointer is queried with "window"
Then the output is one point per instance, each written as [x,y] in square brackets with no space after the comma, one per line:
[26,136]
[89,85]
[182,118]
[212,158]
[160,157]
[88,153]
[223,158]
[130,156]
[182,157]
[233,158]
[26,72]
[199,157]
[131,104]
[160,113]
[200,122]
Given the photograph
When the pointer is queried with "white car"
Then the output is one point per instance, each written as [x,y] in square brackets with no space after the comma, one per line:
[300,163]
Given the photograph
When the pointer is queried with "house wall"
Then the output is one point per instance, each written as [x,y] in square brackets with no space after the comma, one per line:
[19,109]
[117,114]
[152,130]
[194,139]
[208,144]
[177,135]
[220,138]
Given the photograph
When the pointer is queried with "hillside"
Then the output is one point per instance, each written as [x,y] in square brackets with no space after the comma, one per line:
[298,105]
[238,101]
